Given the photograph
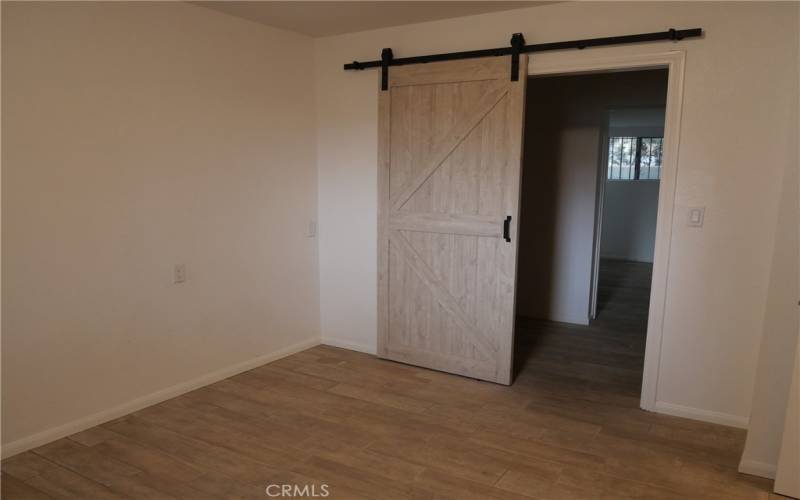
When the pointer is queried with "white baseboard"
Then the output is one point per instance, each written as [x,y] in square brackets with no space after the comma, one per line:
[756,468]
[346,344]
[81,424]
[713,417]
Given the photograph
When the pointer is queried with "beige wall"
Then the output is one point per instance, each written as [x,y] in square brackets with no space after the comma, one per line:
[137,136]
[565,120]
[630,209]
[740,87]
[629,220]
[779,341]
[787,480]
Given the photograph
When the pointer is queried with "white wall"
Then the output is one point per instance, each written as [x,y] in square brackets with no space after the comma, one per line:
[629,220]
[739,89]
[565,120]
[136,136]
[779,341]
[787,481]
[631,208]
[557,225]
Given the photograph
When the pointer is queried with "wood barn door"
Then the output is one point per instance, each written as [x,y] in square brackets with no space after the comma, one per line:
[450,148]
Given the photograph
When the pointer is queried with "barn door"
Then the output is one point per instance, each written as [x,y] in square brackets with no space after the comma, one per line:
[450,147]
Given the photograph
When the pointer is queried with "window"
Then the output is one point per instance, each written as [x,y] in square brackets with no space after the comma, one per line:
[634,158]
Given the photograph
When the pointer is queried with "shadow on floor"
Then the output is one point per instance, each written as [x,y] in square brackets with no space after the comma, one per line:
[607,355]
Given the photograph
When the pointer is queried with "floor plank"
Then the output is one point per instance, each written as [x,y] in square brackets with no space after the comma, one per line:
[568,428]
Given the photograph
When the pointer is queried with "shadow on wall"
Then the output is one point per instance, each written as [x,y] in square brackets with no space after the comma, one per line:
[538,205]
[629,220]
[565,120]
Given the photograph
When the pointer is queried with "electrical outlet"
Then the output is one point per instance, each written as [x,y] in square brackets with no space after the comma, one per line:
[179,273]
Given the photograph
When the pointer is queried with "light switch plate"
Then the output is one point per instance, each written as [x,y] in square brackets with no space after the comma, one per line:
[696,216]
[312,229]
[179,273]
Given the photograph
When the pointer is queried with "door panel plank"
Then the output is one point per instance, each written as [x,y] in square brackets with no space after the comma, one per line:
[384,162]
[453,364]
[449,71]
[440,292]
[452,140]
[468,225]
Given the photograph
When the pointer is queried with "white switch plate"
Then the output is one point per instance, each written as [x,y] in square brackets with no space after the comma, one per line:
[696,216]
[179,273]
[312,229]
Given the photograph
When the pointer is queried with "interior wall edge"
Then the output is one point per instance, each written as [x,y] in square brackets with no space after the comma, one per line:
[48,435]
[349,345]
[713,417]
[756,468]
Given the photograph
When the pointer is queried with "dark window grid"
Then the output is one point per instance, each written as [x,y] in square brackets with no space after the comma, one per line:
[626,153]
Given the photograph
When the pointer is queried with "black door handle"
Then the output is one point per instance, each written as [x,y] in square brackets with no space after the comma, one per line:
[507,228]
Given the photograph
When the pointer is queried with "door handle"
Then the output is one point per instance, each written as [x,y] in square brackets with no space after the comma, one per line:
[507,228]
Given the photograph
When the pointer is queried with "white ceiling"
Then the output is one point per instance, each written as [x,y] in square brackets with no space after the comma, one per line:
[332,17]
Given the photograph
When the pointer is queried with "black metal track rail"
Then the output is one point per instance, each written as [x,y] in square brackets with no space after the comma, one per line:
[388,60]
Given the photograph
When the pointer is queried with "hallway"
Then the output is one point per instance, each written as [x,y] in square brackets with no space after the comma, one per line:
[607,355]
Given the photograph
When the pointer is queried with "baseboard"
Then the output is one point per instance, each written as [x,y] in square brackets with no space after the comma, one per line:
[582,321]
[346,344]
[756,468]
[81,424]
[713,417]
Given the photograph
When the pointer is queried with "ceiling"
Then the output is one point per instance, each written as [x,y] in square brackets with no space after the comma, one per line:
[333,18]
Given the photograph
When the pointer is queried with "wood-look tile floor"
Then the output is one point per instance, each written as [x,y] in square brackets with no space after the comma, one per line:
[568,428]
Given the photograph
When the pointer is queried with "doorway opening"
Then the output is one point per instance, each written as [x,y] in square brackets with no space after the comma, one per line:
[592,169]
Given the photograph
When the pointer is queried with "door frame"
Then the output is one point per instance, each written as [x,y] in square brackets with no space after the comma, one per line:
[674,61]
[599,205]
